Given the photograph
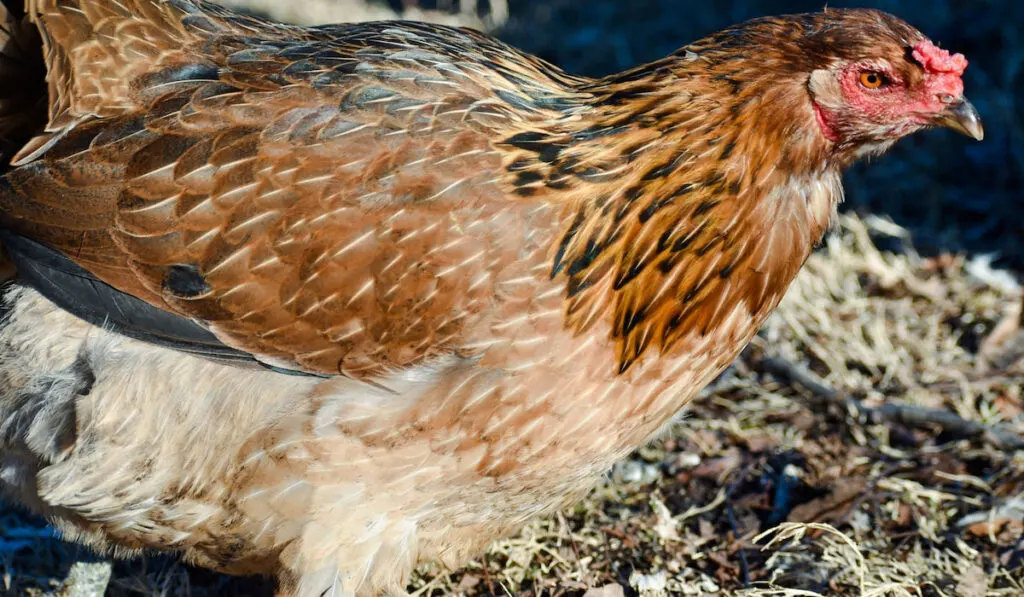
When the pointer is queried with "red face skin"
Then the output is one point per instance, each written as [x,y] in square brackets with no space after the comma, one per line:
[893,108]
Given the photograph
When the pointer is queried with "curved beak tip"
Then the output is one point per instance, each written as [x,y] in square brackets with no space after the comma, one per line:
[962,117]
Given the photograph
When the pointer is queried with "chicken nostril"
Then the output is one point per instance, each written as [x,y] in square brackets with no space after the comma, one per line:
[946,98]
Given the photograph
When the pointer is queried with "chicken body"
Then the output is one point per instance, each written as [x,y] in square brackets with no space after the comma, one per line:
[325,303]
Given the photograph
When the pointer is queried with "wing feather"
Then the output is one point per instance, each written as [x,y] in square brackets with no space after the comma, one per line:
[324,198]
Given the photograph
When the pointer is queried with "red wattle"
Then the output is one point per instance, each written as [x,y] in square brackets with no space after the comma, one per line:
[826,128]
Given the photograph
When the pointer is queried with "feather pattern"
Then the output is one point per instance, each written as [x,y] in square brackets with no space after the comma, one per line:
[283,185]
[497,277]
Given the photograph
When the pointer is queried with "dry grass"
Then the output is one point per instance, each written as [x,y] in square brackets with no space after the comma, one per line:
[764,488]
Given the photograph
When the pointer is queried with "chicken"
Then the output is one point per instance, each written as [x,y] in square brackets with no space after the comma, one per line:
[325,303]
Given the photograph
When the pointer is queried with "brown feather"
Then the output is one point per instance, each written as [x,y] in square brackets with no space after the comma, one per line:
[520,274]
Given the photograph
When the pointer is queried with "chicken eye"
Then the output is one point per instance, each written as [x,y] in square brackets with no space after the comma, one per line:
[871,79]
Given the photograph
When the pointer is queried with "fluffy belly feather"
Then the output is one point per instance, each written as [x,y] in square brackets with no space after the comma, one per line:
[130,446]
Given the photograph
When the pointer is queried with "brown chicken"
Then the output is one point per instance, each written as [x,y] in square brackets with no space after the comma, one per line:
[325,303]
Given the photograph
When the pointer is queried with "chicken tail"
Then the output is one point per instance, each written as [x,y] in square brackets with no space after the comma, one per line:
[94,49]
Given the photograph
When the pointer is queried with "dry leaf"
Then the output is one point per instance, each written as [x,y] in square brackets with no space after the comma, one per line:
[612,590]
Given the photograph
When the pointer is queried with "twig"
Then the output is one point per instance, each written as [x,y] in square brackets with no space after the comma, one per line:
[906,414]
[487,574]
[784,484]
[744,565]
[869,492]
[575,550]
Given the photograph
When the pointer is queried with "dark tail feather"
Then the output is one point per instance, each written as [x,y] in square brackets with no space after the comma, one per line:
[23,90]
[78,292]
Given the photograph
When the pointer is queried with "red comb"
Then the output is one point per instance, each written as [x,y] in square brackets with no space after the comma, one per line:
[937,61]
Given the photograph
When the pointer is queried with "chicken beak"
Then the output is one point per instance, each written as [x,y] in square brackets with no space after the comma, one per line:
[962,116]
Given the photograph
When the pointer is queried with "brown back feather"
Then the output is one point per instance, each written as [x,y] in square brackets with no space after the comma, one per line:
[320,197]
[358,197]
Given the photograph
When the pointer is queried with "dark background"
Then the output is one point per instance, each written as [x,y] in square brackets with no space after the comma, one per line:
[954,194]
